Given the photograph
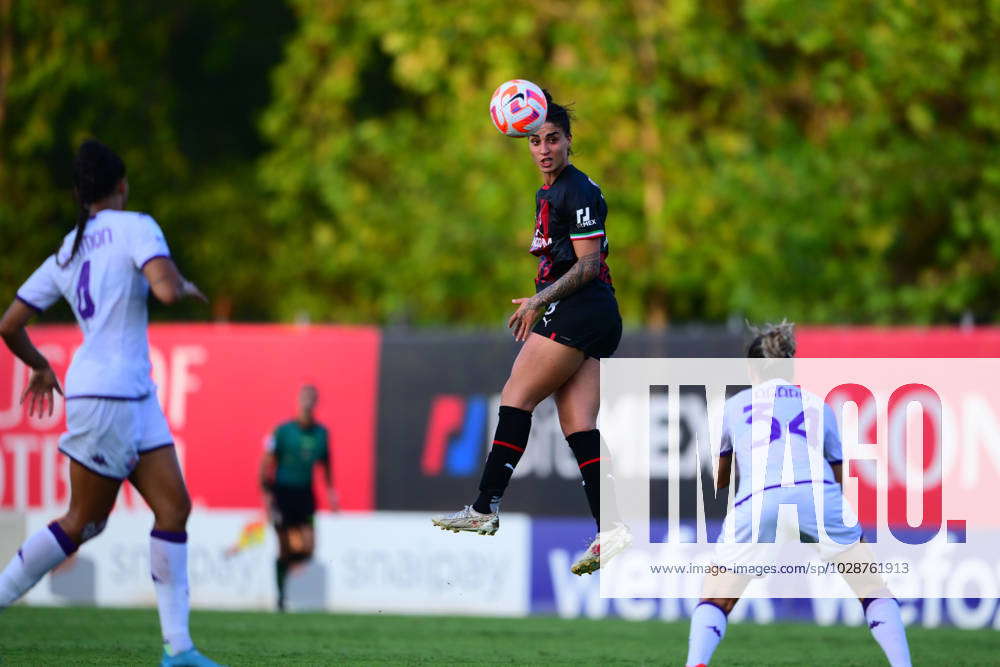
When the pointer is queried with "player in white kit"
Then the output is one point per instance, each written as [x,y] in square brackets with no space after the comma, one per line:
[772,410]
[115,429]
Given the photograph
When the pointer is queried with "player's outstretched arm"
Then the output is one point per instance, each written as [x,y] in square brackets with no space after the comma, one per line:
[587,267]
[725,472]
[167,283]
[43,380]
[838,472]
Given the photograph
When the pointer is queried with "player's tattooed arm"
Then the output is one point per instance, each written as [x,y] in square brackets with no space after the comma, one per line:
[581,273]
[586,268]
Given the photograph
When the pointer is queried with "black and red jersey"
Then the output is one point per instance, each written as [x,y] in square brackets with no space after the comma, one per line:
[571,208]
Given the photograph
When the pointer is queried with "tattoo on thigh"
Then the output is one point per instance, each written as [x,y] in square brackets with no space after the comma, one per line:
[93,529]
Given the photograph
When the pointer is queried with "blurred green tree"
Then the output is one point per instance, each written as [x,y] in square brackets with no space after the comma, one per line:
[176,89]
[826,161]
[832,162]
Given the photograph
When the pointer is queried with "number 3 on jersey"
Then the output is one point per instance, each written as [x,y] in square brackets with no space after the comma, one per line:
[84,303]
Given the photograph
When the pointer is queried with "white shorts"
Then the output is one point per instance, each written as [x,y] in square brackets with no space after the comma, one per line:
[106,435]
[777,528]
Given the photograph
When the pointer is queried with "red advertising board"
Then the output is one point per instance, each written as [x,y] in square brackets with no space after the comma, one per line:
[223,389]
[961,455]
[918,342]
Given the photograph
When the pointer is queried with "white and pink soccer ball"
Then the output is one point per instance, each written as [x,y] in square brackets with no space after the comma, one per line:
[518,108]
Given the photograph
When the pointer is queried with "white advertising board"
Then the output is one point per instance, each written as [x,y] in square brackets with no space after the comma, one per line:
[371,562]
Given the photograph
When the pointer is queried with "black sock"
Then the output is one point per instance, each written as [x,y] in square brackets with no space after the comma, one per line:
[589,451]
[294,559]
[281,570]
[509,442]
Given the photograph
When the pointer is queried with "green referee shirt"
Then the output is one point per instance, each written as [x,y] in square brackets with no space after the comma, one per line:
[296,450]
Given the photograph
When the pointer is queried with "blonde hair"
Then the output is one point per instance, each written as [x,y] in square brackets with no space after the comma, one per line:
[773,341]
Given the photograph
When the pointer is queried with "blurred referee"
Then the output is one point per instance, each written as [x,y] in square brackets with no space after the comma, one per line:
[286,473]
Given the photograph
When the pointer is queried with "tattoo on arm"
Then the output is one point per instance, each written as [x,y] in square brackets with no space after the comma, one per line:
[585,270]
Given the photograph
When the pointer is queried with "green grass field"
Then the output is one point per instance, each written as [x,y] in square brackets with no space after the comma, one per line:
[83,636]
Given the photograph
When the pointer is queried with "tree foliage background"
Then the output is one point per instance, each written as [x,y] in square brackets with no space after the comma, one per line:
[826,161]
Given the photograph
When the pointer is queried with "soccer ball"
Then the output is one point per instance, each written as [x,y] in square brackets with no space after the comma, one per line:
[518,108]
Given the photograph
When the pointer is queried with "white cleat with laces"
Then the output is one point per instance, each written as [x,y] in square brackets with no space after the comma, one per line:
[609,542]
[469,520]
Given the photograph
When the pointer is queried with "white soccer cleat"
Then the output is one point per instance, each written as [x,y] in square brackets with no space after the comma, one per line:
[470,520]
[611,542]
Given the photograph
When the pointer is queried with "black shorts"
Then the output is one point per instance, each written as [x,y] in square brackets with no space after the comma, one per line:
[293,505]
[587,320]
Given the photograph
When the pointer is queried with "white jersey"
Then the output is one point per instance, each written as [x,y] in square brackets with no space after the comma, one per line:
[107,291]
[771,421]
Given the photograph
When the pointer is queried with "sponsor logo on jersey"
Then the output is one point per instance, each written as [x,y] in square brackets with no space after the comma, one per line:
[583,218]
[539,243]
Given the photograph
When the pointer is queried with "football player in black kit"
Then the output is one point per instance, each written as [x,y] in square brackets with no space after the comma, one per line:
[570,323]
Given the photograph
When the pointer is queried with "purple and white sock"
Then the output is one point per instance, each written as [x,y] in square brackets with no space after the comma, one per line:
[40,553]
[168,565]
[887,628]
[708,627]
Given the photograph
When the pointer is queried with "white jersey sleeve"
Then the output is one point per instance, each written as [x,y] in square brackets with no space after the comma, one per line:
[41,290]
[147,242]
[832,448]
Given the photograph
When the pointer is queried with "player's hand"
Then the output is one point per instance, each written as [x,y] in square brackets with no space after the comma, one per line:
[524,318]
[188,288]
[41,385]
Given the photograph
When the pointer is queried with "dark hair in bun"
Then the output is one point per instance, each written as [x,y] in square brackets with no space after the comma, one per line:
[773,341]
[558,115]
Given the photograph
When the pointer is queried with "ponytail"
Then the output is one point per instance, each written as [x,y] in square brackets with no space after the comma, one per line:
[97,170]
[82,216]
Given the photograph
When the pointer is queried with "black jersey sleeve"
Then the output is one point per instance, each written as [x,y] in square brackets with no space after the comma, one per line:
[585,209]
